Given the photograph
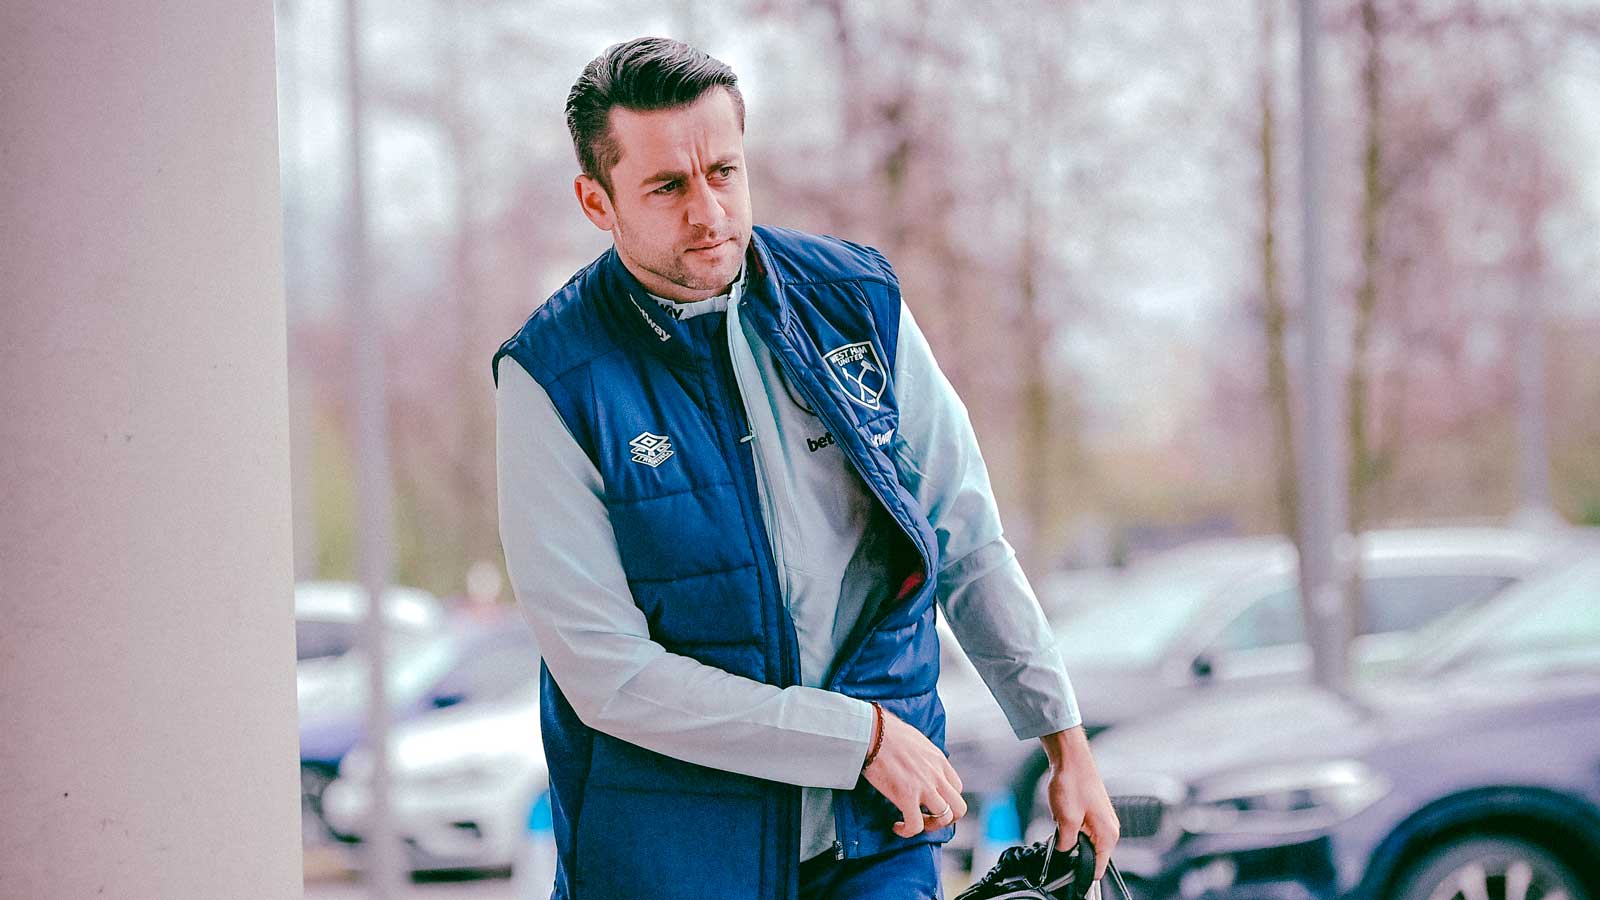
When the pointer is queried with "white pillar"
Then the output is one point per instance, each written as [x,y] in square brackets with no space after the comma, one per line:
[147,707]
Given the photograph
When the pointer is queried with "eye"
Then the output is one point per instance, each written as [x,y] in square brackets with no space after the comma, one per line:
[726,172]
[667,188]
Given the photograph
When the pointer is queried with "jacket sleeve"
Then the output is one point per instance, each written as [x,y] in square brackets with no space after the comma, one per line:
[981,588]
[567,575]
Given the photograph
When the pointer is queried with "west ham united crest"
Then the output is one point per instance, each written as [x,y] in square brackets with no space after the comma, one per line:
[857,369]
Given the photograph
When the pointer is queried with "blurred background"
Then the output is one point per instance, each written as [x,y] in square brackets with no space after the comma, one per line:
[1096,214]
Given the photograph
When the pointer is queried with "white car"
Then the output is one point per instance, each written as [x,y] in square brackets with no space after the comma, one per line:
[330,674]
[463,781]
[328,616]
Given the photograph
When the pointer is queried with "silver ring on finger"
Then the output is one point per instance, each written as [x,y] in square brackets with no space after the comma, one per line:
[938,815]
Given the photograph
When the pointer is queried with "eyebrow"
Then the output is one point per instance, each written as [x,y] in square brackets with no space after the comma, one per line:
[666,175]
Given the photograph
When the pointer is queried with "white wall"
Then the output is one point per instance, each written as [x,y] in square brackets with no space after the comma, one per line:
[147,717]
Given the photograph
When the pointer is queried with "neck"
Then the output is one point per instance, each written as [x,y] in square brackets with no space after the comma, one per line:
[670,290]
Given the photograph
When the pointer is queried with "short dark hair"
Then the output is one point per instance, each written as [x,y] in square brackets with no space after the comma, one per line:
[643,74]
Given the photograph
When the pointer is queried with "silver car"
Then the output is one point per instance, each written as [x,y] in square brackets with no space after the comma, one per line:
[1224,616]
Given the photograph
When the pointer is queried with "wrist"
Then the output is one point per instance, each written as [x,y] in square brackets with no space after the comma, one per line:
[1062,746]
[876,743]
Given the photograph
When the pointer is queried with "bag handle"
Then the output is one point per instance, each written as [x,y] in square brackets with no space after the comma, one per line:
[1087,863]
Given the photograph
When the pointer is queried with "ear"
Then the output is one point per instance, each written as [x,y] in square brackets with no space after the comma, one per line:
[595,202]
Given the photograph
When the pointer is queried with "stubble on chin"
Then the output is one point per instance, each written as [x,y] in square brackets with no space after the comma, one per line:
[677,269]
[691,278]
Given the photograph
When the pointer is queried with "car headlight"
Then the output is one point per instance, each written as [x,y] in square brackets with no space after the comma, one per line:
[1283,798]
[356,765]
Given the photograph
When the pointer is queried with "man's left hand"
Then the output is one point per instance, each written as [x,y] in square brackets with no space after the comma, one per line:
[1078,799]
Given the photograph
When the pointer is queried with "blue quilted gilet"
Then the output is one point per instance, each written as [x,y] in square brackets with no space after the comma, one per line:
[655,406]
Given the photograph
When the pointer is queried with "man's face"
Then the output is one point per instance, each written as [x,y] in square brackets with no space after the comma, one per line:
[679,205]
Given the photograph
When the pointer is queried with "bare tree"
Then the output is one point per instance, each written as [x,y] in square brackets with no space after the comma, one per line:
[1275,315]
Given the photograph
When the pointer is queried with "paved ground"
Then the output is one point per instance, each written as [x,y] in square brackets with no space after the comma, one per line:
[487,889]
[327,879]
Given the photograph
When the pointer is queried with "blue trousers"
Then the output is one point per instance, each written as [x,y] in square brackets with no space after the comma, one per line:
[909,874]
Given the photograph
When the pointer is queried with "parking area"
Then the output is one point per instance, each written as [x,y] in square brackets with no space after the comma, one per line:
[327,878]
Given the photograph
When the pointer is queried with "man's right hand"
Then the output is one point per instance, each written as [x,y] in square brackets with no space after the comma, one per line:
[915,776]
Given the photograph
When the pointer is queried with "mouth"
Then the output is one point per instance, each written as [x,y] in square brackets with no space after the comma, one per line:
[705,247]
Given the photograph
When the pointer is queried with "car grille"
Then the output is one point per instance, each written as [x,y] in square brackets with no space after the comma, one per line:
[1141,816]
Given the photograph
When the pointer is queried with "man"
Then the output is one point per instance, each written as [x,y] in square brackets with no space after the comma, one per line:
[733,487]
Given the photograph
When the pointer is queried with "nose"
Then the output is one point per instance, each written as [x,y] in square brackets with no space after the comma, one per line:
[704,210]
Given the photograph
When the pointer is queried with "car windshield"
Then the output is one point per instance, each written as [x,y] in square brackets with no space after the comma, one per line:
[491,668]
[1552,622]
[1141,617]
[319,640]
[416,663]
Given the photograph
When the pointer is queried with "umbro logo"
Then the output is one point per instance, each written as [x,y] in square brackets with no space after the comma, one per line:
[651,449]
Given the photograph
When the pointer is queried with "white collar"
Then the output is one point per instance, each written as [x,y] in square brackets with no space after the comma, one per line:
[688,310]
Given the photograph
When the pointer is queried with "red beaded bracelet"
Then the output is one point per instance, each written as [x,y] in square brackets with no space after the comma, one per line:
[877,740]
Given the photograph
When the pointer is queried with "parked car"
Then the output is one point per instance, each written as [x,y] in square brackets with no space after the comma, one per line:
[328,616]
[470,662]
[1471,773]
[1223,617]
[328,619]
[463,782]
[1063,594]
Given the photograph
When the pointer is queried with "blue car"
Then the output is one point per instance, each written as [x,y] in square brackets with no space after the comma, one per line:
[1473,774]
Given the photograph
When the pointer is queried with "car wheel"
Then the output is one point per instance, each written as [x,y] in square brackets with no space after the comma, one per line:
[313,827]
[1490,868]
